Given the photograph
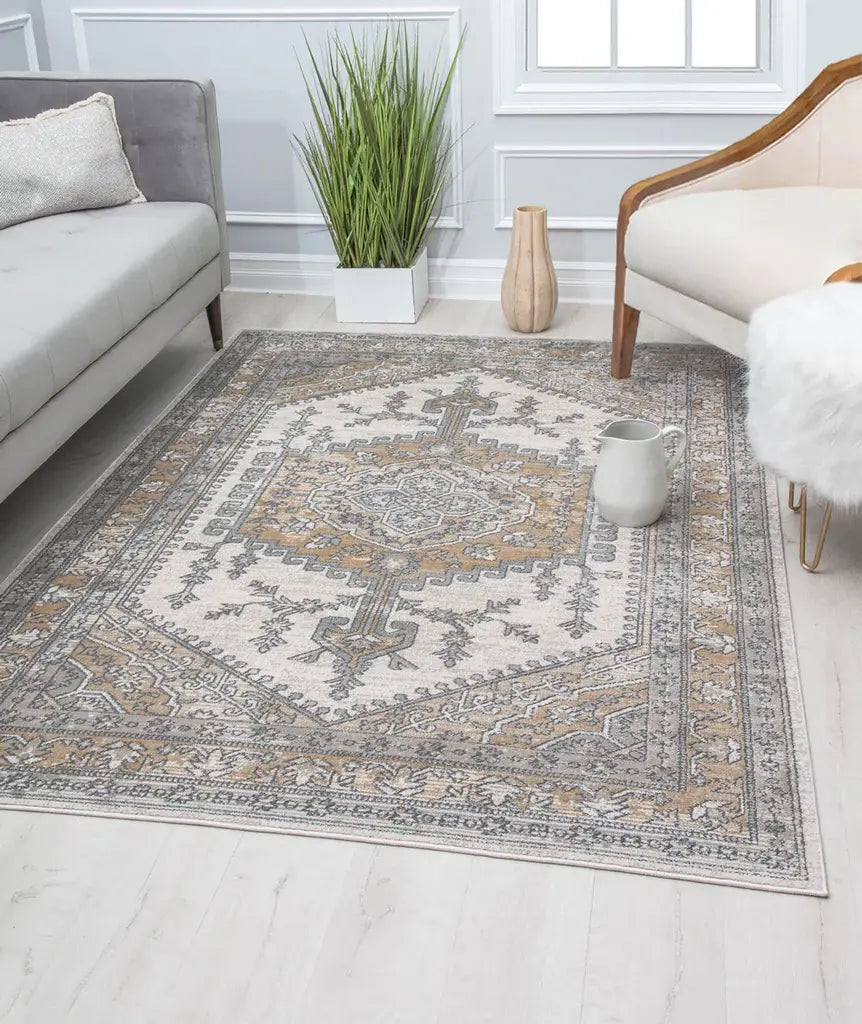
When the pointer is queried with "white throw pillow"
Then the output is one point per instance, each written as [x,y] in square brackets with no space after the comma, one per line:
[63,160]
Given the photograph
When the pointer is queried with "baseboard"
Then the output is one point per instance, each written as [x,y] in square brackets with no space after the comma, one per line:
[298,274]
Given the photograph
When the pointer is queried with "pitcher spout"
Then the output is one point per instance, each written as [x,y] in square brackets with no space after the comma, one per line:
[629,430]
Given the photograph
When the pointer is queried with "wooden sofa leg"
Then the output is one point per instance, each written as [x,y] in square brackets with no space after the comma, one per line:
[214,318]
[625,334]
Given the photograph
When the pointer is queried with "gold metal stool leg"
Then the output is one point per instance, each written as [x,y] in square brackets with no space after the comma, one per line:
[792,503]
[803,531]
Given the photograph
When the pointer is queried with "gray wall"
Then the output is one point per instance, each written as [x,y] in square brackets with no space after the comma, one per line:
[23,44]
[834,32]
[572,164]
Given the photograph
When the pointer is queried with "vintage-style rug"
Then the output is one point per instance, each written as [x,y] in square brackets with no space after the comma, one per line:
[357,586]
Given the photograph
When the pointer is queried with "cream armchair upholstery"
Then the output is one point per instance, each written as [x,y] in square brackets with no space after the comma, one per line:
[702,246]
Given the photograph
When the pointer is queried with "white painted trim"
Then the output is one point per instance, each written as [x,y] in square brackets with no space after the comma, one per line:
[547,93]
[293,274]
[299,274]
[451,15]
[25,23]
[308,219]
[264,217]
[503,154]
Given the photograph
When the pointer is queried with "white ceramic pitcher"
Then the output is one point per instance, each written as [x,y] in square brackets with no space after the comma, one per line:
[631,482]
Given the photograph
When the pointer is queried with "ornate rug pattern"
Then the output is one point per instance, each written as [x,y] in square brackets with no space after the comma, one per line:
[357,586]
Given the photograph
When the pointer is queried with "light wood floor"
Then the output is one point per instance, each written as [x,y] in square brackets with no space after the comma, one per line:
[119,921]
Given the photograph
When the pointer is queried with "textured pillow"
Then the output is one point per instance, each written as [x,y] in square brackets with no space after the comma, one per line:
[63,160]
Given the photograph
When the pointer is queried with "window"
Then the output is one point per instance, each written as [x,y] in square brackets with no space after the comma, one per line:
[582,56]
[657,34]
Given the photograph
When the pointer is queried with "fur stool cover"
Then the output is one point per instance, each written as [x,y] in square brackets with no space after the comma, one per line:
[805,389]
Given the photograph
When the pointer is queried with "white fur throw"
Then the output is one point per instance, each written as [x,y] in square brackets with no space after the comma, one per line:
[805,389]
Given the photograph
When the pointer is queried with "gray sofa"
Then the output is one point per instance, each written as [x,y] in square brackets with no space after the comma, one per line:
[87,299]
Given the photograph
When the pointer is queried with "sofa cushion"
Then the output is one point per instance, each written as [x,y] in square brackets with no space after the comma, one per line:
[74,284]
[738,249]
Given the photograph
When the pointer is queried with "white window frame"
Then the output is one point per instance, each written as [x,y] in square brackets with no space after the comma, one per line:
[522,89]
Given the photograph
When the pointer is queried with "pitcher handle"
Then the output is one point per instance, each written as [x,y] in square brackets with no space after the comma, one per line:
[675,459]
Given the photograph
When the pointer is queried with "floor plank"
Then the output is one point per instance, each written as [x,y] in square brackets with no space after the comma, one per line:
[518,945]
[656,952]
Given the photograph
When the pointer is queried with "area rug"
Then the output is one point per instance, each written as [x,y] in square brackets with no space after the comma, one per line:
[357,586]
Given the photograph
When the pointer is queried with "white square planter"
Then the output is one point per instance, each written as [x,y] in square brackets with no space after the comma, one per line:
[369,295]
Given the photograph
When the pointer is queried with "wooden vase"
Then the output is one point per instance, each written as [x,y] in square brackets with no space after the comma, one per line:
[529,291]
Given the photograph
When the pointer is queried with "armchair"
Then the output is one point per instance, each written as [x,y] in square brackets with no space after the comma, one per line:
[703,245]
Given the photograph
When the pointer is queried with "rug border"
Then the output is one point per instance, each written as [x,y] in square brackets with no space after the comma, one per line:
[384,840]
[806,785]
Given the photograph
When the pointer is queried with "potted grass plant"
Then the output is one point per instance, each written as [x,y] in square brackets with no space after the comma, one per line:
[377,154]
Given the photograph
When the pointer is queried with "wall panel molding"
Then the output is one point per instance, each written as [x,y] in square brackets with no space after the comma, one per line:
[300,274]
[23,23]
[505,154]
[450,16]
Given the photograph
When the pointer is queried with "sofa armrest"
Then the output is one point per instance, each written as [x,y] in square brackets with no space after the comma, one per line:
[169,129]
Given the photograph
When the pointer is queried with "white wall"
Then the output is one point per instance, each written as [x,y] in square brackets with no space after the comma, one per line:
[576,165]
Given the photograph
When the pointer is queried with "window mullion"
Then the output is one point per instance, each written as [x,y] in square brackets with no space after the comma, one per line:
[765,27]
[615,34]
[689,23]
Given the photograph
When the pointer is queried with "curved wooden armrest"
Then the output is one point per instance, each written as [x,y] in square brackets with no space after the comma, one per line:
[852,272]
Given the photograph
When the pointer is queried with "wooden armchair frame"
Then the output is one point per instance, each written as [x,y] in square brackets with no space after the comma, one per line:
[626,318]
